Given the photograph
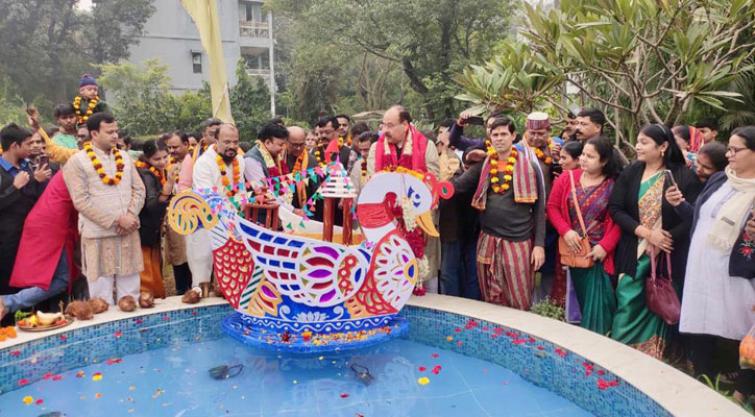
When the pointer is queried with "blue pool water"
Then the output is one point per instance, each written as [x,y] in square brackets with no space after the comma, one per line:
[174,381]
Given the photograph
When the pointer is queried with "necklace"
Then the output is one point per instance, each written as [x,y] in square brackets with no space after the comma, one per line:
[119,166]
[318,156]
[364,171]
[231,189]
[501,172]
[159,175]
[83,117]
[540,154]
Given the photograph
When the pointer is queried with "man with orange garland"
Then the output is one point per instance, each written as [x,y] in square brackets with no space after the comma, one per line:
[108,193]
[402,145]
[298,159]
[221,166]
[332,146]
[266,158]
[511,199]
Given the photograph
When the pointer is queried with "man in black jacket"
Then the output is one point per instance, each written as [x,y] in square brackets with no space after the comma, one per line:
[20,187]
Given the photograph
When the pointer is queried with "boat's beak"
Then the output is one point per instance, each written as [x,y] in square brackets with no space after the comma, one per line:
[425,222]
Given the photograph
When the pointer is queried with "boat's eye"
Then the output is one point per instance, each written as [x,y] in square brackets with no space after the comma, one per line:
[414,196]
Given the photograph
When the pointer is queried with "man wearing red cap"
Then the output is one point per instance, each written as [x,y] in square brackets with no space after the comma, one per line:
[541,147]
[544,149]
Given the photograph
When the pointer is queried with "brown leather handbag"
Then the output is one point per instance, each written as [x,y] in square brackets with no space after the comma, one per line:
[660,294]
[570,258]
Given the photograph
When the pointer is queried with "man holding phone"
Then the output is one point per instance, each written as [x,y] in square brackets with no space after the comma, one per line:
[20,187]
[456,136]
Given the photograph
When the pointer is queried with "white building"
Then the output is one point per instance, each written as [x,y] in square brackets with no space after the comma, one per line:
[171,37]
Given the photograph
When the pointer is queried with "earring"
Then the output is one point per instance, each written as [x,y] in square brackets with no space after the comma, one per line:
[663,153]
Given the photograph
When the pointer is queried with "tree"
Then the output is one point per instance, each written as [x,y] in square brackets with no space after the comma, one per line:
[428,40]
[48,44]
[144,104]
[142,99]
[116,25]
[642,61]
[250,100]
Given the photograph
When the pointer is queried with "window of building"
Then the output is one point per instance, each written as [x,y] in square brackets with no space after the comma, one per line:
[196,62]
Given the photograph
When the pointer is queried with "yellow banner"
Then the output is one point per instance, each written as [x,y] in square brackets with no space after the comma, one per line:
[205,16]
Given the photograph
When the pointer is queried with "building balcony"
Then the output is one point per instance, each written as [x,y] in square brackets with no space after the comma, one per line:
[258,72]
[254,29]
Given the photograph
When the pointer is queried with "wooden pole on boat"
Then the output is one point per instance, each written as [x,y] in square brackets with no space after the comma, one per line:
[328,218]
[346,229]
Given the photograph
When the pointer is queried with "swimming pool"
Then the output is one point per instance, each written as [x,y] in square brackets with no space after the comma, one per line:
[410,379]
[157,364]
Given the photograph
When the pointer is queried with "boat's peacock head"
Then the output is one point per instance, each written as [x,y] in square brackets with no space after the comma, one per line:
[414,191]
[189,210]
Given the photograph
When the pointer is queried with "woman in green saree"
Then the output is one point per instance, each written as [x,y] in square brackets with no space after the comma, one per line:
[648,224]
[591,184]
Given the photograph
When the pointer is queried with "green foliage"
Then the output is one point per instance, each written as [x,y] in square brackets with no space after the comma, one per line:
[142,99]
[413,48]
[548,308]
[516,80]
[250,103]
[144,104]
[641,61]
[48,44]
[11,105]
[741,112]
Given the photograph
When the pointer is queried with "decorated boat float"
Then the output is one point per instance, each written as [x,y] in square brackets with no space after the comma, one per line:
[298,293]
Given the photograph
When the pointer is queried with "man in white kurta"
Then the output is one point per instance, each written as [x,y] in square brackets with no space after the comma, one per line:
[108,202]
[207,175]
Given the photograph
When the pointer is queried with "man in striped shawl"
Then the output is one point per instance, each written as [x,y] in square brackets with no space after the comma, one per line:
[511,199]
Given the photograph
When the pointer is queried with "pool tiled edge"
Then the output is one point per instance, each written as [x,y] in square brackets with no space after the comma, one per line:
[574,371]
[113,334]
[612,382]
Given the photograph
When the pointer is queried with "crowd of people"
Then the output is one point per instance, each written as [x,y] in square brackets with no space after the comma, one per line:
[566,217]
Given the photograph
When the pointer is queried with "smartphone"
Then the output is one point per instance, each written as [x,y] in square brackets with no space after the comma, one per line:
[475,120]
[671,178]
[43,160]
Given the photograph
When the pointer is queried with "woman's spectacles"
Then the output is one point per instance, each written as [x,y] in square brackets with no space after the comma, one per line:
[735,150]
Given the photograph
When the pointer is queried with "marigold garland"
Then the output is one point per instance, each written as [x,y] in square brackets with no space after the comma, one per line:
[541,155]
[231,189]
[501,175]
[159,175]
[318,156]
[83,117]
[363,177]
[119,165]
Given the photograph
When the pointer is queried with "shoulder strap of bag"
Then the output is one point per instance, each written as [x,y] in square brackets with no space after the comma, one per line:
[668,266]
[653,264]
[576,204]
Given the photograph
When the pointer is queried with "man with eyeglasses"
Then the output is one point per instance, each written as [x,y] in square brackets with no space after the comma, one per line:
[298,159]
[401,144]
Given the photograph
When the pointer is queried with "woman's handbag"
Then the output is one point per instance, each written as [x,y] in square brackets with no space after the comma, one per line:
[570,258]
[660,295]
